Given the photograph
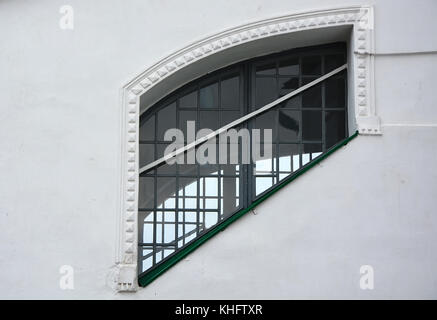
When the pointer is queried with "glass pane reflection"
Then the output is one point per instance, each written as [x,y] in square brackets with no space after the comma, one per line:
[179,203]
[230,92]
[209,96]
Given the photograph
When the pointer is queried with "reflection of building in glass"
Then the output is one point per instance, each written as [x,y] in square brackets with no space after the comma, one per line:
[180,202]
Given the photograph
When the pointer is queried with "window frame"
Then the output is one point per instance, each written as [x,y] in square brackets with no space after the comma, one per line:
[360,74]
[247,73]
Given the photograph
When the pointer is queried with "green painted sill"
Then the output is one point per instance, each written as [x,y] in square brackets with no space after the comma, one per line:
[145,279]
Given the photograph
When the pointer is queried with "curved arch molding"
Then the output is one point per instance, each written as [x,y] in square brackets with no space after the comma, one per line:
[361,70]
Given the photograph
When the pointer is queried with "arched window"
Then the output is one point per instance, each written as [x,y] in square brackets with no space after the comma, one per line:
[181,202]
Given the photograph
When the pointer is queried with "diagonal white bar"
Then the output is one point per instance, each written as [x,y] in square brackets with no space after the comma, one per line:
[240,120]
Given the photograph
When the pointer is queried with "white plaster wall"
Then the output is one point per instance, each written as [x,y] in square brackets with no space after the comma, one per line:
[371,203]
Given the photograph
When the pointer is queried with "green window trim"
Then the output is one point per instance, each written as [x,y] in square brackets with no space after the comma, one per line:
[146,279]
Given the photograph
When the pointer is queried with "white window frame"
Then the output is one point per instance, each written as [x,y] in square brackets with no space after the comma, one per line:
[360,73]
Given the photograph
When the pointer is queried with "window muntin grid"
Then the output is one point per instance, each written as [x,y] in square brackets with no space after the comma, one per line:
[304,126]
[178,203]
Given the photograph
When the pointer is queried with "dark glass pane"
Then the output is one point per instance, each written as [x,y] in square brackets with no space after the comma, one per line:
[335,93]
[289,67]
[147,154]
[312,65]
[288,159]
[166,192]
[184,117]
[287,85]
[165,168]
[189,100]
[230,187]
[209,120]
[310,152]
[288,125]
[266,91]
[231,169]
[229,116]
[147,129]
[150,172]
[266,69]
[312,97]
[209,96]
[311,125]
[333,61]
[166,120]
[146,193]
[160,149]
[266,121]
[188,169]
[335,127]
[295,102]
[230,92]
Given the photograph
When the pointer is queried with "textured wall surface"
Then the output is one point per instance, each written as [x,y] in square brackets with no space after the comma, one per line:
[373,202]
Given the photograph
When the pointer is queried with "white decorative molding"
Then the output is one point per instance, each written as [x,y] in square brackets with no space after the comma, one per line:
[361,20]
